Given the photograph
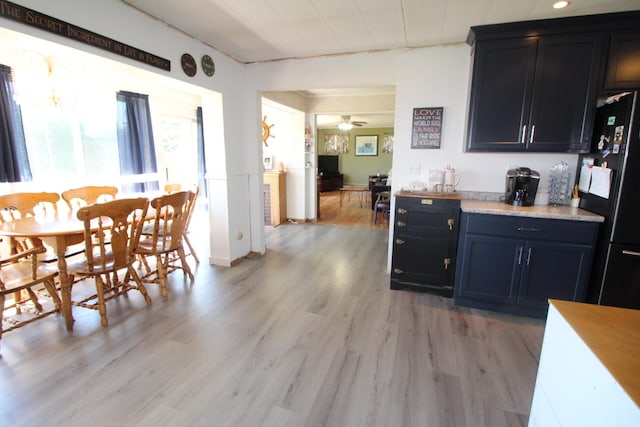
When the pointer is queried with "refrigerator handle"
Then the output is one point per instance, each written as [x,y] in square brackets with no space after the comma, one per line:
[632,253]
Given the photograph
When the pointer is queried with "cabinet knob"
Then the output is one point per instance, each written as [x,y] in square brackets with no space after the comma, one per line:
[450,222]
[447,261]
[399,242]
[397,271]
[402,211]
[401,224]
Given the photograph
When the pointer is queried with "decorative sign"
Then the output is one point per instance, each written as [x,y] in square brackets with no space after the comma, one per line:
[47,23]
[188,65]
[208,66]
[427,127]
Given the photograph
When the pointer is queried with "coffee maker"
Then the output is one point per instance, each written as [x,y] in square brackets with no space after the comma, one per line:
[521,186]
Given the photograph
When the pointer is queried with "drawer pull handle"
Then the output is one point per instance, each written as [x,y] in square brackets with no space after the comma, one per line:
[402,211]
[450,222]
[529,229]
[397,271]
[447,261]
[426,201]
[520,256]
[399,242]
[632,253]
[401,224]
[524,133]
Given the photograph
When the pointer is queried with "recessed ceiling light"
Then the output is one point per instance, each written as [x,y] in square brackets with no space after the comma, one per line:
[560,4]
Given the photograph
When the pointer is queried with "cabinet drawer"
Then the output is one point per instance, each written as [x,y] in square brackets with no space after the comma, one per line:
[530,228]
[427,216]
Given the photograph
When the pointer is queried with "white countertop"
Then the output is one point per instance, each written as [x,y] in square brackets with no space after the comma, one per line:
[538,211]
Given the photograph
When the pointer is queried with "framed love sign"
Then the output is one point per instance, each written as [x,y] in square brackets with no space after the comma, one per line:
[427,127]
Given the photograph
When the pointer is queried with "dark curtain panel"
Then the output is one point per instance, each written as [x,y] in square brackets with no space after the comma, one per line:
[14,161]
[135,141]
[202,168]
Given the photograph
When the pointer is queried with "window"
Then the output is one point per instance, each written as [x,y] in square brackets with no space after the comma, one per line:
[67,145]
[176,148]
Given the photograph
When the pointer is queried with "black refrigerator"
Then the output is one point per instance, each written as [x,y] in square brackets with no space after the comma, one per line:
[615,148]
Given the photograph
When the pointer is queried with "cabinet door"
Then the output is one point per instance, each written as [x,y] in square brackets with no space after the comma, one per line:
[500,94]
[553,270]
[623,67]
[423,260]
[564,93]
[490,268]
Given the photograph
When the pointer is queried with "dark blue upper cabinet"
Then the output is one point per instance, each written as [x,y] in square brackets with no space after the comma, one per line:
[535,84]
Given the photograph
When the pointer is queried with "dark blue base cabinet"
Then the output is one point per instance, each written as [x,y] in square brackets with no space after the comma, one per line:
[515,264]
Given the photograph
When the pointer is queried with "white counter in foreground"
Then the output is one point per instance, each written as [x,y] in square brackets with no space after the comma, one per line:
[589,371]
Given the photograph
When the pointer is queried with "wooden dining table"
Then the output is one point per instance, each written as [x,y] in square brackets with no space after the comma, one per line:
[58,231]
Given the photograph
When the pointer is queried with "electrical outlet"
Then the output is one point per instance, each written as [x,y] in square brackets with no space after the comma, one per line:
[414,168]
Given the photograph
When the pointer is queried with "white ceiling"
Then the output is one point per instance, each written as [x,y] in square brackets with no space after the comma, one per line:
[267,30]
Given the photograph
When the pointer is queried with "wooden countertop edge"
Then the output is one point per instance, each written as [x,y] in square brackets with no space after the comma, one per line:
[613,335]
[429,195]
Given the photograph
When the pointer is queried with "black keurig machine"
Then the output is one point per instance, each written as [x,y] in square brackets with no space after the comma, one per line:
[522,185]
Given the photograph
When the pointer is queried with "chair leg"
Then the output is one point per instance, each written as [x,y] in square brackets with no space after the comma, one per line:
[161,275]
[375,215]
[34,298]
[185,265]
[102,308]
[50,285]
[193,253]
[1,315]
[141,288]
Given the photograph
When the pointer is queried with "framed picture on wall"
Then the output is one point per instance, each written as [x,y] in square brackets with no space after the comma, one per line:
[366,145]
[267,162]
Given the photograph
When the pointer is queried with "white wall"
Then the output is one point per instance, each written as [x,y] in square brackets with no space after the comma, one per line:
[287,146]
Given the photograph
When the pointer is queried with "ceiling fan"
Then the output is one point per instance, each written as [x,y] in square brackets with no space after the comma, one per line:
[347,124]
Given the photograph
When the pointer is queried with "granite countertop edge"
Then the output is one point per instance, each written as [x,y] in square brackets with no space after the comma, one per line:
[536,211]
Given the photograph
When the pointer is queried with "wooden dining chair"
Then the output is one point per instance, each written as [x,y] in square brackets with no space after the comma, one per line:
[195,189]
[20,205]
[111,234]
[15,206]
[87,195]
[382,205]
[166,238]
[172,187]
[192,206]
[23,272]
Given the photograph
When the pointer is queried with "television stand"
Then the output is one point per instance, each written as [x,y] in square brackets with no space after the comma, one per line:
[329,182]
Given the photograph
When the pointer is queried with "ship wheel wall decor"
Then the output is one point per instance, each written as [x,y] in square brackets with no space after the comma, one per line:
[266,131]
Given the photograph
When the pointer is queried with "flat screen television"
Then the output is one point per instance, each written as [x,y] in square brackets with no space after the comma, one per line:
[328,164]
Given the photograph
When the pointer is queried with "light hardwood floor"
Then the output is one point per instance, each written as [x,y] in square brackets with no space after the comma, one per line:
[307,335]
[350,214]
